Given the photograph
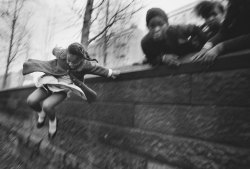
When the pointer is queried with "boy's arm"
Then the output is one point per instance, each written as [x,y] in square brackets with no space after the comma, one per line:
[235,44]
[189,30]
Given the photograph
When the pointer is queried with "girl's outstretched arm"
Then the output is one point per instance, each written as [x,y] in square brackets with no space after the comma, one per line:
[95,69]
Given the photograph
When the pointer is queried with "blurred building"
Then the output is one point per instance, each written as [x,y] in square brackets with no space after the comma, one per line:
[186,15]
[124,48]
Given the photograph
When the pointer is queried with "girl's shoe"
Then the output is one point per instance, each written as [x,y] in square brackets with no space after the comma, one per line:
[41,119]
[52,128]
[40,124]
[52,135]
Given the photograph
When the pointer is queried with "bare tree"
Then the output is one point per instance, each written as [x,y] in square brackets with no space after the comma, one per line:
[108,15]
[16,33]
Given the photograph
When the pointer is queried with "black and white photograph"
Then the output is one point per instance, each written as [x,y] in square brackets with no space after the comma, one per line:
[124,84]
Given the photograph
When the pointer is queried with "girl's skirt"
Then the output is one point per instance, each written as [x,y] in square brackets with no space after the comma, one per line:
[59,84]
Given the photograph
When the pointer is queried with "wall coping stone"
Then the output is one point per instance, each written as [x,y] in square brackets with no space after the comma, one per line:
[236,60]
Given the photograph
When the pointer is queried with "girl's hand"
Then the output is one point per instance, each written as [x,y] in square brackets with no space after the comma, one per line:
[115,73]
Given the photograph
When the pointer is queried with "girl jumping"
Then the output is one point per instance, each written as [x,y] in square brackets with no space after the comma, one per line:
[62,75]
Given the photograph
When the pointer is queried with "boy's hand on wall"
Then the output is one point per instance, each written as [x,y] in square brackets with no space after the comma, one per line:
[209,55]
[202,52]
[212,54]
[171,59]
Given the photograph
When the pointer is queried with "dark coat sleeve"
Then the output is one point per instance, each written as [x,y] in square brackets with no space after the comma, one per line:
[90,68]
[185,39]
[153,50]
[235,44]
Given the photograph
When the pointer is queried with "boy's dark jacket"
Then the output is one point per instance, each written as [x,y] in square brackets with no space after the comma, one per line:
[177,39]
[59,67]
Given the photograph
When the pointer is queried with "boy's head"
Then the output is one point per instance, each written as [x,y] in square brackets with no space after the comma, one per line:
[210,11]
[156,20]
[76,55]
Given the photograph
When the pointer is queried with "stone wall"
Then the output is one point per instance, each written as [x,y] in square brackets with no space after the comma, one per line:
[190,117]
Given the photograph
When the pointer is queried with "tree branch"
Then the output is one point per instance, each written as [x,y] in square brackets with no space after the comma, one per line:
[100,4]
[99,34]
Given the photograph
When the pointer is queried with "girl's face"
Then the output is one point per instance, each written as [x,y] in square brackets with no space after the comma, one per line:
[216,15]
[74,61]
[156,26]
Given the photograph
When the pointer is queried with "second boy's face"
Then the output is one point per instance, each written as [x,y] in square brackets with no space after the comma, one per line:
[156,26]
[74,61]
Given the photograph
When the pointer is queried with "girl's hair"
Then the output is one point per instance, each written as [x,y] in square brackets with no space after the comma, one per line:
[78,49]
[204,8]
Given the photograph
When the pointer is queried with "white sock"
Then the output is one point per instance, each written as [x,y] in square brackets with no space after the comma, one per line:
[41,116]
[52,126]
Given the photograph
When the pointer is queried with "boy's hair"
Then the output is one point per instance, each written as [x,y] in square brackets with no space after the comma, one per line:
[79,50]
[204,8]
[153,12]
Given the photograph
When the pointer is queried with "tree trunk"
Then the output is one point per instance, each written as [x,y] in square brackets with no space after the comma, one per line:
[13,26]
[105,45]
[87,23]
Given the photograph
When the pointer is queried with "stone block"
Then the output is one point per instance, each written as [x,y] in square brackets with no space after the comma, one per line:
[227,125]
[177,151]
[38,162]
[227,88]
[86,146]
[25,153]
[46,149]
[10,157]
[111,113]
[83,166]
[57,159]
[155,165]
[170,89]
[34,141]
[70,161]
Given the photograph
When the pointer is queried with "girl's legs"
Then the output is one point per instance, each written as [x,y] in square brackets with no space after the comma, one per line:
[49,105]
[36,97]
[34,100]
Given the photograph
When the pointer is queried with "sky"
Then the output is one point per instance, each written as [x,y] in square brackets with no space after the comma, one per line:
[61,9]
[166,5]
